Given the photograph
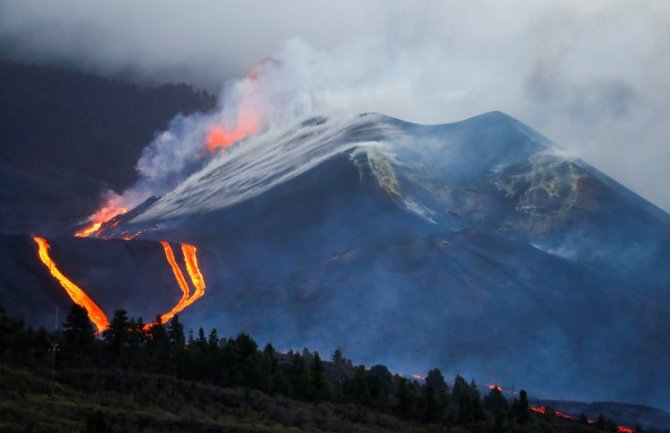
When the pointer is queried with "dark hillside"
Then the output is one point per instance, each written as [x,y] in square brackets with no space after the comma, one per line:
[67,136]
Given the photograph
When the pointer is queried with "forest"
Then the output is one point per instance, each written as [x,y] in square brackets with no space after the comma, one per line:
[242,387]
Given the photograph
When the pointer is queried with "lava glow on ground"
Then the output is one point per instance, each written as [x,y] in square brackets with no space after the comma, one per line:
[543,411]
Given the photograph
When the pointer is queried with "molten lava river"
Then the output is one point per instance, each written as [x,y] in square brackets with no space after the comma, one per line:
[97,316]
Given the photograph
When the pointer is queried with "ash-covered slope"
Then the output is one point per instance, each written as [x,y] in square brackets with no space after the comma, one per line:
[474,246]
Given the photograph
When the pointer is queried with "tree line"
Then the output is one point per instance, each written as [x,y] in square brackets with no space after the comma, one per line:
[130,344]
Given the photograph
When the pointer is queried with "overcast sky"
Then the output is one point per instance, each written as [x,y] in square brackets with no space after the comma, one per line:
[594,75]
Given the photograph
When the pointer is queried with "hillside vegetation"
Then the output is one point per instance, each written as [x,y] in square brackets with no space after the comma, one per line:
[154,379]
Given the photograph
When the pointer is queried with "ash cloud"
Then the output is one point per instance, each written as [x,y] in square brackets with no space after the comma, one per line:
[591,76]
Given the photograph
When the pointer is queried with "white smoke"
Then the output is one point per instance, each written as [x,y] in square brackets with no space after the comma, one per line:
[593,76]
[299,81]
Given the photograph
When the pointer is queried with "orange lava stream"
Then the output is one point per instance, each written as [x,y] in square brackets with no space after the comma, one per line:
[127,236]
[88,231]
[75,292]
[181,281]
[542,410]
[193,269]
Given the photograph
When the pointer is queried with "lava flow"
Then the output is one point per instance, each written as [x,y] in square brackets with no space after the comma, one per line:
[75,292]
[193,269]
[543,410]
[103,215]
[181,281]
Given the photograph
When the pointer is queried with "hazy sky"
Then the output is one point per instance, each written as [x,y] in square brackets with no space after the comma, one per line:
[594,75]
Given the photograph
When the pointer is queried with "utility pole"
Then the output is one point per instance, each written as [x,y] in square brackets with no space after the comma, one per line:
[53,349]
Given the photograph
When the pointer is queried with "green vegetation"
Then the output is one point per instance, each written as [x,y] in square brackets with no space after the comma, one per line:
[157,380]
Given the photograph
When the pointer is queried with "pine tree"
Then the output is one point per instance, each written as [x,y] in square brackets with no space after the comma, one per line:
[300,378]
[322,388]
[461,400]
[406,399]
[435,396]
[158,345]
[213,340]
[175,332]
[78,332]
[495,401]
[358,388]
[523,408]
[117,334]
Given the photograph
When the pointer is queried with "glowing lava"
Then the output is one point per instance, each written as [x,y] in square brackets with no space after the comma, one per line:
[543,410]
[103,215]
[75,292]
[497,387]
[220,138]
[181,281]
[248,119]
[193,269]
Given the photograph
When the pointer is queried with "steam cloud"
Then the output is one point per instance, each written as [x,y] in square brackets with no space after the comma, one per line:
[593,76]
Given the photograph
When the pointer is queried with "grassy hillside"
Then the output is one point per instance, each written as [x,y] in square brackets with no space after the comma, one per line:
[32,401]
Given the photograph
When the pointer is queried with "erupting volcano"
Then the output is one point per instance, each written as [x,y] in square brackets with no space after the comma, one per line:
[75,292]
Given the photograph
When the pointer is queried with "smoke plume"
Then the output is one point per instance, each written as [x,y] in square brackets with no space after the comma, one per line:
[591,76]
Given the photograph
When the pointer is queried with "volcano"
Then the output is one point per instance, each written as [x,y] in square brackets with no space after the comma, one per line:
[479,247]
